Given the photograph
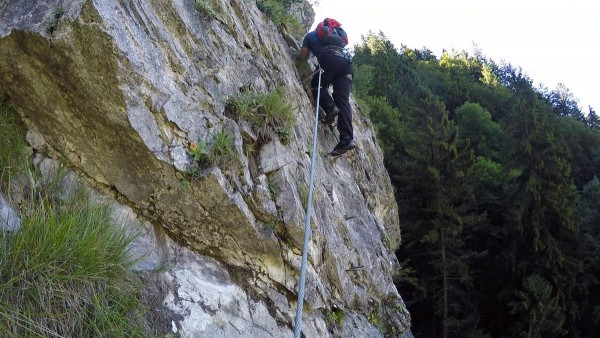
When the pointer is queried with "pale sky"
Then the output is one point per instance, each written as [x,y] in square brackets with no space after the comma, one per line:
[553,41]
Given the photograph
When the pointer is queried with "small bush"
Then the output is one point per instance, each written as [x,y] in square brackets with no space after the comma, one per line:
[274,9]
[268,114]
[204,9]
[66,273]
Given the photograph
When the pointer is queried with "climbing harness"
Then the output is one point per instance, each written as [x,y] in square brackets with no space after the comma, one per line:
[298,319]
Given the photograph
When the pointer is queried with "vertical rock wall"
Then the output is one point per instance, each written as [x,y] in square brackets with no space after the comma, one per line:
[121,89]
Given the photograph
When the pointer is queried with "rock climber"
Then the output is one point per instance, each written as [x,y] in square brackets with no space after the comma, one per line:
[327,43]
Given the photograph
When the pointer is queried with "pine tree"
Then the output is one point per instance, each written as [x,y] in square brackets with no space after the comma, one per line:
[593,120]
[588,293]
[541,230]
[510,261]
[432,198]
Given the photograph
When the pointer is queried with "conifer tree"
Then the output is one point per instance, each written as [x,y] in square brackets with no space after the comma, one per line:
[588,293]
[541,229]
[432,199]
[511,261]
[593,120]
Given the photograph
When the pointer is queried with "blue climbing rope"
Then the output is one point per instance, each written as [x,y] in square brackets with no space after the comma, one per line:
[298,319]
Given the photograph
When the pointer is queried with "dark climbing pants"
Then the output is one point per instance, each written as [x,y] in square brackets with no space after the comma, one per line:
[337,71]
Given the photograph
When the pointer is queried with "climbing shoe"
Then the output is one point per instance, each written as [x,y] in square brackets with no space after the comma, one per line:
[331,115]
[342,147]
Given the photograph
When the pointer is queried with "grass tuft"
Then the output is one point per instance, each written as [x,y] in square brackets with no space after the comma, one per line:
[278,12]
[66,272]
[13,148]
[303,193]
[218,152]
[270,115]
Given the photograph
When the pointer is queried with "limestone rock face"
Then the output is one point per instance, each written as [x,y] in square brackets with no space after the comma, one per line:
[120,89]
[9,220]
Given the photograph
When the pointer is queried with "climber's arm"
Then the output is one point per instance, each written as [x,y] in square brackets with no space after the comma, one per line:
[304,54]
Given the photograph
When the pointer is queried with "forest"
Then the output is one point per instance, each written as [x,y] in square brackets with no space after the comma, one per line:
[498,191]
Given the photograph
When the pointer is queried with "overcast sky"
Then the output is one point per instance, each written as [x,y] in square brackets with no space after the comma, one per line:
[553,41]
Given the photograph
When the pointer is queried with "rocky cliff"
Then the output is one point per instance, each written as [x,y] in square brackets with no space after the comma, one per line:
[121,89]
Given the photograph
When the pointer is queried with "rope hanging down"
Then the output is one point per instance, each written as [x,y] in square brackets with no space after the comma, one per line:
[298,319]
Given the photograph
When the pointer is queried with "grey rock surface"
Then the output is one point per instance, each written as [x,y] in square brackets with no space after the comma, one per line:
[9,219]
[122,89]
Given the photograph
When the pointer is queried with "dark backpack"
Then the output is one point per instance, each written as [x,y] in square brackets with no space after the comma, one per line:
[330,32]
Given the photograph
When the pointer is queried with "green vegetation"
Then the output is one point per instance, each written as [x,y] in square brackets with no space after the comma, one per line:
[274,227]
[303,193]
[269,114]
[222,152]
[57,13]
[184,184]
[304,69]
[13,150]
[219,152]
[204,9]
[497,191]
[65,272]
[372,318]
[335,317]
[278,12]
[272,190]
